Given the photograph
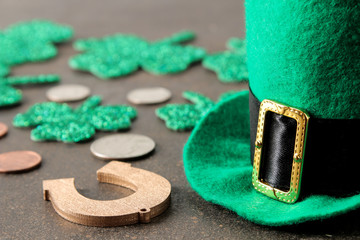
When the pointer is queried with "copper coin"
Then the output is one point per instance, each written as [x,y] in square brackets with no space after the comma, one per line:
[3,129]
[18,161]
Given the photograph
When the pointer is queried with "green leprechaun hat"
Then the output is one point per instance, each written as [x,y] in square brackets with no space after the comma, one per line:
[288,155]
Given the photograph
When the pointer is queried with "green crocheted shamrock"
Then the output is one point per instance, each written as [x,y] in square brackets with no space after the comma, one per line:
[185,116]
[230,66]
[29,42]
[10,96]
[60,122]
[120,55]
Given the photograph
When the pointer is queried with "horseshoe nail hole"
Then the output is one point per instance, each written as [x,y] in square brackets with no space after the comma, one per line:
[144,215]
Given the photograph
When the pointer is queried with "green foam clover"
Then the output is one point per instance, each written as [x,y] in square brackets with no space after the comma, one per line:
[29,42]
[120,55]
[230,66]
[11,96]
[4,70]
[185,116]
[60,122]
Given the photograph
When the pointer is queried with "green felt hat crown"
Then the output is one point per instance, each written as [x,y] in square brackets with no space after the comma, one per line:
[306,54]
[302,53]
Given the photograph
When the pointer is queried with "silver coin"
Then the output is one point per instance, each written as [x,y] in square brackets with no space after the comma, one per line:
[122,146]
[149,95]
[68,93]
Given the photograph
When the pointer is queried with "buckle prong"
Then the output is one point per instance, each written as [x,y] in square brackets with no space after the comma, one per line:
[275,193]
[258,144]
[302,119]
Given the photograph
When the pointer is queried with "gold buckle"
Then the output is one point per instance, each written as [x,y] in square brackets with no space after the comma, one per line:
[302,120]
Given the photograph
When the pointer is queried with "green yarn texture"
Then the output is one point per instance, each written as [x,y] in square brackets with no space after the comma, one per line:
[180,117]
[55,121]
[10,96]
[30,42]
[306,54]
[120,54]
[218,167]
[230,66]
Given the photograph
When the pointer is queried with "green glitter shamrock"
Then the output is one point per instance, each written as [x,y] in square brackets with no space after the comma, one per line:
[55,121]
[10,96]
[29,42]
[120,55]
[185,116]
[230,66]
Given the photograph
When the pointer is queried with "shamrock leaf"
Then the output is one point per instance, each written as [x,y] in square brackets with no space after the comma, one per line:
[156,58]
[29,42]
[186,116]
[55,121]
[69,131]
[4,70]
[120,55]
[230,66]
[10,96]
[41,30]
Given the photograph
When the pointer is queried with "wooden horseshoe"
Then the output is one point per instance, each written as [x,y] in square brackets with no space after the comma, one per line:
[151,197]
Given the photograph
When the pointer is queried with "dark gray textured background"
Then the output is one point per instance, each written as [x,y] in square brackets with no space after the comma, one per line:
[23,213]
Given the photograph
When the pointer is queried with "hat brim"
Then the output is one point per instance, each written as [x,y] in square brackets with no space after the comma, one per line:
[217,165]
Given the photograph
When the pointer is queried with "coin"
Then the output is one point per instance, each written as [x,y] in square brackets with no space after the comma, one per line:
[3,129]
[68,93]
[18,161]
[149,95]
[122,146]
